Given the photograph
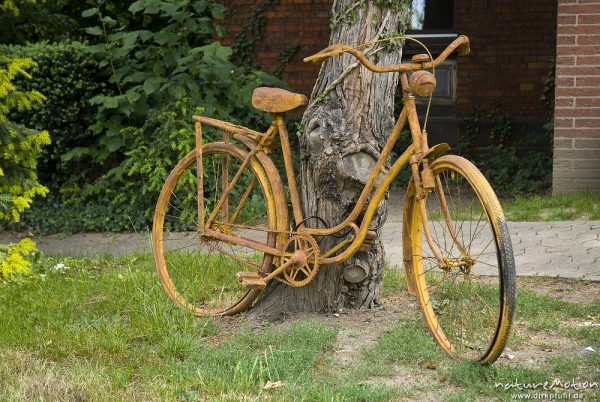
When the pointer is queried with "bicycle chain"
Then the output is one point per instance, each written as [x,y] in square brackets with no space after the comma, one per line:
[289,232]
[236,258]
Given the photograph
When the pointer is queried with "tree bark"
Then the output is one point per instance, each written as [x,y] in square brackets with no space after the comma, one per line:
[345,127]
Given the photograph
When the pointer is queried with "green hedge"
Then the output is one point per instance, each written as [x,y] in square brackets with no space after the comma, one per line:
[68,75]
[116,193]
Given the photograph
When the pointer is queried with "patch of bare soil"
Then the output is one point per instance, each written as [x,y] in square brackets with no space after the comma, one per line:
[356,328]
[537,348]
[573,291]
[359,329]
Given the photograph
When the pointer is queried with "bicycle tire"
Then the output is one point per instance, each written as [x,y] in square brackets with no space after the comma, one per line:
[481,290]
[199,273]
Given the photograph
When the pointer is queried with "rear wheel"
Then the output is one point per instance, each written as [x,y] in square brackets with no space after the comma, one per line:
[468,300]
[198,272]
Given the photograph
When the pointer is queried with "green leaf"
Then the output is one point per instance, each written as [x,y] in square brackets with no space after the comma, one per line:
[217,11]
[96,31]
[138,76]
[129,39]
[89,12]
[112,143]
[176,91]
[162,37]
[170,9]
[75,153]
[145,35]
[224,52]
[133,96]
[109,20]
[152,84]
[137,6]
[110,102]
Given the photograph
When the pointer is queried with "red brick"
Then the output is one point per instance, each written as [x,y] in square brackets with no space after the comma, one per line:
[588,143]
[576,70]
[577,29]
[578,50]
[577,9]
[565,81]
[566,102]
[583,112]
[587,102]
[577,91]
[589,81]
[588,60]
[590,19]
[588,40]
[563,123]
[564,143]
[566,39]
[582,122]
[567,19]
[566,60]
[575,154]
[577,133]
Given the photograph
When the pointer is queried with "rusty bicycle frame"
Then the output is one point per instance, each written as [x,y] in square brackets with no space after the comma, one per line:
[418,155]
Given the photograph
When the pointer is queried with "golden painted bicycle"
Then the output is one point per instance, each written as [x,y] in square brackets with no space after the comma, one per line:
[221,231]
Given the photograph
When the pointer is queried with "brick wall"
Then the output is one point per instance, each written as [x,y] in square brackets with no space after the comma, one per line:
[577,112]
[512,43]
[289,22]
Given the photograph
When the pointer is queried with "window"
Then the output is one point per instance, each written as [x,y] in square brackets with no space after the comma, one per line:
[433,16]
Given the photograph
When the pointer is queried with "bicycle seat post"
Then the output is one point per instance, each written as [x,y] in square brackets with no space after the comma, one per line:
[289,167]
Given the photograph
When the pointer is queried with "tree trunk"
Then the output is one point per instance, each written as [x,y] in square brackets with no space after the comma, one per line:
[345,127]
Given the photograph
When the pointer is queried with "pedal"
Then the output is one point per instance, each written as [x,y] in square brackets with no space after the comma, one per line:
[250,280]
[363,248]
[369,241]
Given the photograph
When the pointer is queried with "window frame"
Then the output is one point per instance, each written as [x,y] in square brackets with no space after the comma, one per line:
[437,33]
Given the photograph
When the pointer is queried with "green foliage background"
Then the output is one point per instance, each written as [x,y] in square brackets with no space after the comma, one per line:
[122,80]
[120,109]
[20,147]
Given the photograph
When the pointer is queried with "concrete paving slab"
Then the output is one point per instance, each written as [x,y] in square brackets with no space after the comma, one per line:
[566,249]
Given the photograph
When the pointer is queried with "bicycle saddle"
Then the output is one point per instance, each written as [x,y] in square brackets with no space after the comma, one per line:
[277,100]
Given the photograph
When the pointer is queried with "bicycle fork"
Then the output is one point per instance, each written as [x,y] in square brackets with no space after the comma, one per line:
[425,182]
[443,262]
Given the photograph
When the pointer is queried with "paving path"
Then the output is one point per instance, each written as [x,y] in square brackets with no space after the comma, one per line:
[565,249]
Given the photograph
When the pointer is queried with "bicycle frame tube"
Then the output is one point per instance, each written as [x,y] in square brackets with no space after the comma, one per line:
[370,212]
[413,155]
[289,168]
[377,170]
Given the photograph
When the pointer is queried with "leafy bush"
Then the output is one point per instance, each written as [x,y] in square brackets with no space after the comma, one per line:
[53,21]
[68,75]
[169,58]
[20,147]
[157,77]
[512,165]
[13,258]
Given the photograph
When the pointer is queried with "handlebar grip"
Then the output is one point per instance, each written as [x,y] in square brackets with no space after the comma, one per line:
[465,48]
[329,51]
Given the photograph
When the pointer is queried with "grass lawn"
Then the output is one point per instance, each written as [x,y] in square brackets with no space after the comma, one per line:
[556,207]
[103,330]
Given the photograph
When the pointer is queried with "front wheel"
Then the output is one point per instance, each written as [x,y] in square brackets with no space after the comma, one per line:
[468,298]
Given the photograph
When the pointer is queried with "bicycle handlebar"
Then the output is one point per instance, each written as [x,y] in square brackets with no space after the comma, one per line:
[461,43]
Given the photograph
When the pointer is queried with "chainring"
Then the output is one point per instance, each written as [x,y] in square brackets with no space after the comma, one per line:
[298,276]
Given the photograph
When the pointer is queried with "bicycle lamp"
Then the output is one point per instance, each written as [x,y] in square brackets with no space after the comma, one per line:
[422,83]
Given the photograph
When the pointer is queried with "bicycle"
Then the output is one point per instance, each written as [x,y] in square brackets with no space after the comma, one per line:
[223,209]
